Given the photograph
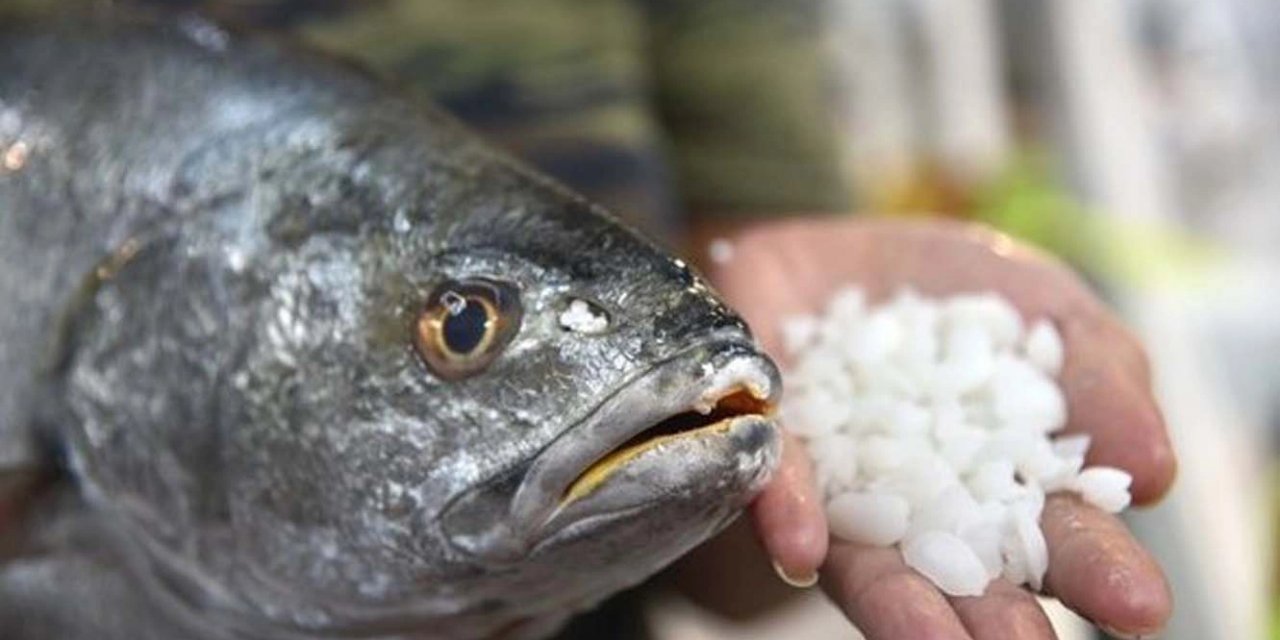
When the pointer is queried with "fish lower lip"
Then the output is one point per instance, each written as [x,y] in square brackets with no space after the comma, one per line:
[717,419]
[722,464]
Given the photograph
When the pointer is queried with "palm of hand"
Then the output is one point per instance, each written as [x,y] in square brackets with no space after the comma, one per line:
[1096,567]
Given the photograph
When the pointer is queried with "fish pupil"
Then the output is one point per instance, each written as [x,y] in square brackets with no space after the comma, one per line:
[465,328]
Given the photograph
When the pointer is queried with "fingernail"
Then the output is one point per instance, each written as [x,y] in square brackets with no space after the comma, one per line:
[801,582]
[1125,635]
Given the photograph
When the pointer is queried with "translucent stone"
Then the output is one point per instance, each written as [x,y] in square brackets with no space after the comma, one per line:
[868,518]
[948,562]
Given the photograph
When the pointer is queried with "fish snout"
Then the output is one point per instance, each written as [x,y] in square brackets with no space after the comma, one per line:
[698,426]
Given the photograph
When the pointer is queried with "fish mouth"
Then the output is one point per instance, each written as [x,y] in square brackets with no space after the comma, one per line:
[700,408]
[707,419]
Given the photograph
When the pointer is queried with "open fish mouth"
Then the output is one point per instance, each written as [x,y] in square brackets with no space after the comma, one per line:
[709,419]
[705,414]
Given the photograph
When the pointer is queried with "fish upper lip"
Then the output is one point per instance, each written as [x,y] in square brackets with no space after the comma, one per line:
[680,384]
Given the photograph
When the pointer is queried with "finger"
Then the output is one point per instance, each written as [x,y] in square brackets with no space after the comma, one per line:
[1099,570]
[789,520]
[1109,397]
[885,598]
[1004,612]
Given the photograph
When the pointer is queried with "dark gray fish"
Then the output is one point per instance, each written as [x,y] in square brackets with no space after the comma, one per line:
[319,364]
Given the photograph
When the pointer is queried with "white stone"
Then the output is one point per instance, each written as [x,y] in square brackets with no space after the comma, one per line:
[836,455]
[921,477]
[1106,488]
[1023,548]
[1064,477]
[868,518]
[1025,398]
[993,480]
[951,510]
[880,455]
[1043,348]
[1071,446]
[948,562]
[989,311]
[960,448]
[969,359]
[847,305]
[908,418]
[876,339]
[799,332]
[984,536]
[819,412]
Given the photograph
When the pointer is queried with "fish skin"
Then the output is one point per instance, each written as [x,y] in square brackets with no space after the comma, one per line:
[212,249]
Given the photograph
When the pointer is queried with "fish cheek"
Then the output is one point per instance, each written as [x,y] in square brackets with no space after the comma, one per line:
[146,354]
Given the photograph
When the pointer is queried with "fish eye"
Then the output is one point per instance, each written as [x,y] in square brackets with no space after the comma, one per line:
[465,326]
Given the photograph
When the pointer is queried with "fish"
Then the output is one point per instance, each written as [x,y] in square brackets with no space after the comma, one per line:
[306,359]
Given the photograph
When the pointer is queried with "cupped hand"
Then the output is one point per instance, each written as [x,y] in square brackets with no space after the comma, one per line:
[780,269]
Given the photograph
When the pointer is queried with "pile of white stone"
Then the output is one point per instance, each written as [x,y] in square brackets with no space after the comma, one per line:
[930,423]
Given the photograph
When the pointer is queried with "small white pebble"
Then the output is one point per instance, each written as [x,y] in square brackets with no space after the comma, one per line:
[818,413]
[994,480]
[880,455]
[846,306]
[1043,347]
[984,536]
[876,341]
[1025,397]
[961,448]
[1106,488]
[869,518]
[968,363]
[1071,446]
[798,332]
[1061,479]
[837,456]
[1024,545]
[1008,445]
[948,419]
[889,379]
[951,510]
[1039,461]
[908,418]
[921,477]
[948,562]
[989,311]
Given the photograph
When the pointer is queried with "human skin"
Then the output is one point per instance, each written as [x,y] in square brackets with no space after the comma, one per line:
[788,267]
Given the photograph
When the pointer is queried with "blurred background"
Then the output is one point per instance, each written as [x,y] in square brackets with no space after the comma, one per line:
[1137,139]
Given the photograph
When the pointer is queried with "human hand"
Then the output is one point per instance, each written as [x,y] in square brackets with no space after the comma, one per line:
[790,267]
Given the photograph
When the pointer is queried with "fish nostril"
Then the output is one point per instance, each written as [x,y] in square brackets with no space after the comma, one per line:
[584,316]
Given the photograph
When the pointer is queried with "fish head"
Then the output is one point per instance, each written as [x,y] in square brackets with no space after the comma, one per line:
[493,406]
[348,371]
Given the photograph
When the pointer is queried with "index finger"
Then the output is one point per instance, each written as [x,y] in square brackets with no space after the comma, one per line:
[789,520]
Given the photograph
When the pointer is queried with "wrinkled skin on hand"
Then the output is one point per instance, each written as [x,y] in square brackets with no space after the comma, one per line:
[780,269]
